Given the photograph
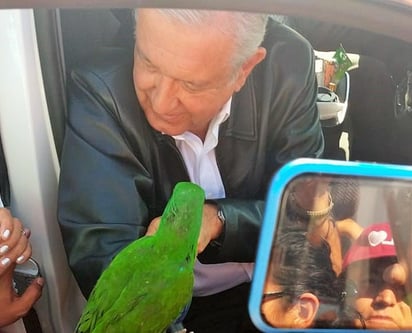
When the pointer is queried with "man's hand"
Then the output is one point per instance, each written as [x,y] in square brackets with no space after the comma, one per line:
[13,306]
[211,228]
[153,226]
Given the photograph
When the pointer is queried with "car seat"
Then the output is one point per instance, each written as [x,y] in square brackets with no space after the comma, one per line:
[375,134]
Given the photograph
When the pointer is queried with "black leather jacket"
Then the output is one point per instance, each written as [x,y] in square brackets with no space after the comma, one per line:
[117,173]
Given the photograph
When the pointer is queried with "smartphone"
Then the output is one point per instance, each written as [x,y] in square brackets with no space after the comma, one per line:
[24,274]
[299,265]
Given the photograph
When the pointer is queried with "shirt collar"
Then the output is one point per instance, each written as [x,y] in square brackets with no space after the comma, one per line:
[213,130]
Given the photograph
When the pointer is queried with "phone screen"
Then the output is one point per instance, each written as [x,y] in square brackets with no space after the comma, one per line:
[24,274]
[335,249]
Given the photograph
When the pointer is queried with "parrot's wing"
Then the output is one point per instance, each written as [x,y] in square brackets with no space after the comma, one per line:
[112,281]
[151,301]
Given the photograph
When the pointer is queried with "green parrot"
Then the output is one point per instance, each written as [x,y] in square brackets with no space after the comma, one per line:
[150,281]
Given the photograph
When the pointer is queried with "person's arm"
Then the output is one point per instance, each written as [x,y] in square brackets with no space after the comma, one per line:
[296,117]
[310,205]
[284,89]
[116,172]
[240,232]
[14,307]
[349,228]
[101,207]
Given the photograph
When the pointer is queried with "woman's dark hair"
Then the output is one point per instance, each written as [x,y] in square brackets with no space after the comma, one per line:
[303,267]
[300,267]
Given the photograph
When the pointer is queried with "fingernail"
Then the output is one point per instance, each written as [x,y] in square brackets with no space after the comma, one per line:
[5,261]
[20,259]
[6,234]
[40,281]
[4,249]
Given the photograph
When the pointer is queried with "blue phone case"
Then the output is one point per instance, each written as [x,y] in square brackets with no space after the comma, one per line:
[278,184]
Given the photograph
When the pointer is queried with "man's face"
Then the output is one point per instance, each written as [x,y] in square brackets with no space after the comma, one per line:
[183,76]
[381,294]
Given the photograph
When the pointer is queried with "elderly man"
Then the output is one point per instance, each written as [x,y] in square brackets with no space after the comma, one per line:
[222,99]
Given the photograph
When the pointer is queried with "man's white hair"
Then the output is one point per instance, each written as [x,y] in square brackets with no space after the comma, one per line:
[247,29]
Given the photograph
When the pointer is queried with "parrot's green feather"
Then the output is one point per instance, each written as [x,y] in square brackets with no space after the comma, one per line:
[150,281]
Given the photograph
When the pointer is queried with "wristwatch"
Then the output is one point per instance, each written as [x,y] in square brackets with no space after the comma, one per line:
[217,243]
[221,216]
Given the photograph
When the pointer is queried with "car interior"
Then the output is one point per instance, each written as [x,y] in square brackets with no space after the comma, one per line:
[69,36]
[376,125]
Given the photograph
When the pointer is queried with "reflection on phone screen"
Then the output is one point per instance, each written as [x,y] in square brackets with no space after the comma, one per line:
[340,254]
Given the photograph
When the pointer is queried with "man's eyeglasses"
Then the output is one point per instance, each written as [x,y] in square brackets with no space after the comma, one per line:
[273,295]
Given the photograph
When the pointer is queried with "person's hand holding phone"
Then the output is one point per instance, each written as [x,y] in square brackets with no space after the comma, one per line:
[15,307]
[15,249]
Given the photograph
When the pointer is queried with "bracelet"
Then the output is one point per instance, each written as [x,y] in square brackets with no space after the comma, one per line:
[310,213]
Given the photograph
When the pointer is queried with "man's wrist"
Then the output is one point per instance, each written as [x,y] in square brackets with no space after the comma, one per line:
[221,220]
[307,213]
[221,216]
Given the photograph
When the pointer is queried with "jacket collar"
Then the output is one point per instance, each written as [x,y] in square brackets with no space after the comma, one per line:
[242,123]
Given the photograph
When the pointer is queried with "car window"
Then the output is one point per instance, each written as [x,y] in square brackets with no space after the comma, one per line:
[42,46]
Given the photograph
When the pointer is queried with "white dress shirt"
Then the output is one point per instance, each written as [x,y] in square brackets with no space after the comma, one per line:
[200,160]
